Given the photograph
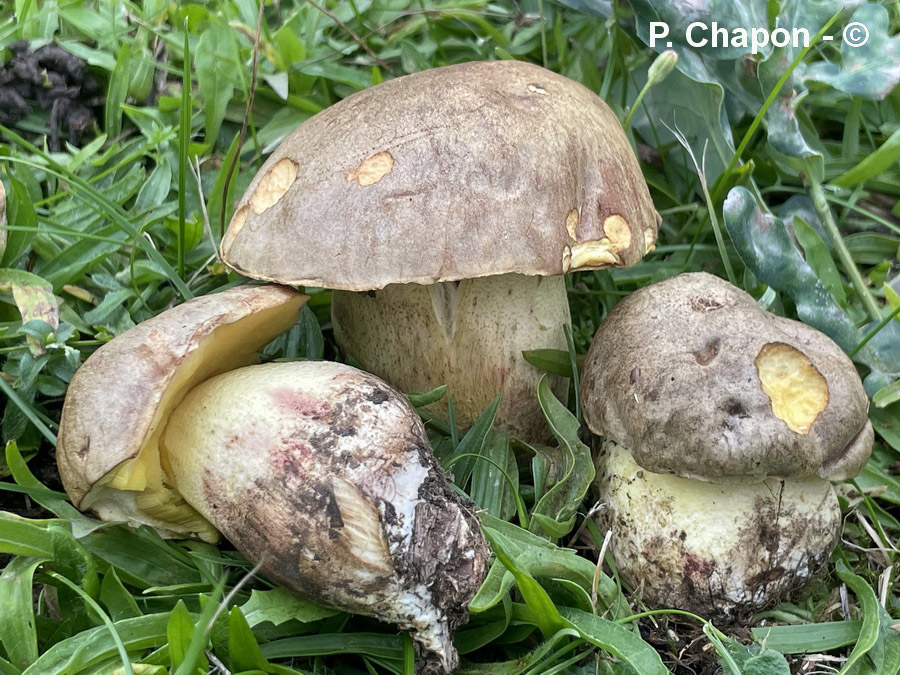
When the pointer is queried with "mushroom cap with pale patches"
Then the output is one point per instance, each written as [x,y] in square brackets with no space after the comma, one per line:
[114,402]
[698,381]
[459,172]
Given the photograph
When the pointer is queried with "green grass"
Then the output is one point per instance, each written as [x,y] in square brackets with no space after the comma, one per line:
[103,236]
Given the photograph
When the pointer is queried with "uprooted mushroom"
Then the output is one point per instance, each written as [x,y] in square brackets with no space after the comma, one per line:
[445,207]
[317,471]
[722,426]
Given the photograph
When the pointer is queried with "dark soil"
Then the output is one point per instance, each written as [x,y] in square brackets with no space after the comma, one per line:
[51,79]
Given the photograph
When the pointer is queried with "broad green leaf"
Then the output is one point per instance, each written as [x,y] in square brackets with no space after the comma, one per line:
[243,649]
[81,255]
[552,361]
[72,560]
[141,558]
[872,248]
[119,602]
[546,614]
[693,109]
[17,623]
[277,606]
[19,212]
[560,641]
[155,190]
[117,91]
[819,259]
[331,70]
[887,423]
[553,528]
[490,487]
[809,638]
[19,536]
[83,651]
[178,633]
[216,59]
[473,637]
[792,138]
[312,342]
[542,559]
[94,57]
[624,644]
[871,70]
[420,400]
[887,395]
[376,645]
[875,621]
[473,443]
[573,467]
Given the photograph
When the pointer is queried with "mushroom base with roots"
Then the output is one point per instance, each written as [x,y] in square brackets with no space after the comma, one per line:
[469,335]
[723,551]
[324,475]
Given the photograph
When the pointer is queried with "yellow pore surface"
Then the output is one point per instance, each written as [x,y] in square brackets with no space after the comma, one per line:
[797,390]
[228,347]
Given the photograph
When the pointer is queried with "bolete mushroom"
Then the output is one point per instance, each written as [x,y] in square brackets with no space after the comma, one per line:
[319,472]
[444,207]
[723,426]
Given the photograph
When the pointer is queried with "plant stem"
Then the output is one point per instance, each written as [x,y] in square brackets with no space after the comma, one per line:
[872,333]
[184,140]
[626,123]
[824,211]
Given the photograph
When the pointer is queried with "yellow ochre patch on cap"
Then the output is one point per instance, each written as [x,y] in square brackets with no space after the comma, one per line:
[372,169]
[273,185]
[798,392]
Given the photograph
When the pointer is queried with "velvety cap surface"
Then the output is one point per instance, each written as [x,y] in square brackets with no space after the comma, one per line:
[698,381]
[465,171]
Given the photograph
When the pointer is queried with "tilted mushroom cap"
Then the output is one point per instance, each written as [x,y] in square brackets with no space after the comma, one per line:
[119,400]
[698,381]
[466,171]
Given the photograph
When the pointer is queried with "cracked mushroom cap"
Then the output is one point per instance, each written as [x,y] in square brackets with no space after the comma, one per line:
[119,401]
[471,170]
[698,381]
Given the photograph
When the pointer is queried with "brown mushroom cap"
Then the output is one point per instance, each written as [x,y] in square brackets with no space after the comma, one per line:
[466,171]
[120,398]
[698,381]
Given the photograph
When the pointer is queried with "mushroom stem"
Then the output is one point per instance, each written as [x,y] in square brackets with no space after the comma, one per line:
[724,550]
[468,335]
